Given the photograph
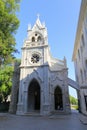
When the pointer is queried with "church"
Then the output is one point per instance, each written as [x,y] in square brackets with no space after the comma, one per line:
[43,84]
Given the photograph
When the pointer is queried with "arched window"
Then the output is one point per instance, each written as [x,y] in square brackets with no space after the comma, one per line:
[39,38]
[33,39]
[86,64]
[83,41]
[81,72]
[79,54]
[85,74]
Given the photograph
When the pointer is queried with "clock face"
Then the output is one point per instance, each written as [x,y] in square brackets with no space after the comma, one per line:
[35,58]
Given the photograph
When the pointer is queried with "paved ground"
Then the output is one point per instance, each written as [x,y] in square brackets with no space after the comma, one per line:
[83,119]
[57,122]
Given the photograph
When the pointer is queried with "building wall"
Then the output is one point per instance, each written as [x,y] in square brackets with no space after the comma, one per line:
[15,88]
[80,55]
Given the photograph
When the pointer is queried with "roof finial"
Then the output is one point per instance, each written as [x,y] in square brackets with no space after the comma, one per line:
[38,21]
[38,16]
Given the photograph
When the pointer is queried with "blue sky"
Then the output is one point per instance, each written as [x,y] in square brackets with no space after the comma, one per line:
[60,17]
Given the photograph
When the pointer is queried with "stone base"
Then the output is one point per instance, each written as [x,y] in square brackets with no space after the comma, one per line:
[12,109]
[20,109]
[45,110]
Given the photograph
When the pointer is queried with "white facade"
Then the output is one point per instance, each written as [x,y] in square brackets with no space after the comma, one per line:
[43,79]
[80,56]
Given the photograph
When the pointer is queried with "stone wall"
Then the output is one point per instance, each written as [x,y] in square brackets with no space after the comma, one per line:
[15,88]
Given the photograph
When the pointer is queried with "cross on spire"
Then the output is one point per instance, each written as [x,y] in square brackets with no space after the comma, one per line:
[38,16]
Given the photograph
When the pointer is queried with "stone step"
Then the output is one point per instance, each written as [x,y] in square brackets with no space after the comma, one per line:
[32,114]
[58,113]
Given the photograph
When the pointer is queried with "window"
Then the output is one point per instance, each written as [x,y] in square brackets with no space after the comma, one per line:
[81,75]
[35,34]
[85,101]
[35,58]
[33,39]
[83,42]
[39,38]
[86,64]
[85,74]
[78,54]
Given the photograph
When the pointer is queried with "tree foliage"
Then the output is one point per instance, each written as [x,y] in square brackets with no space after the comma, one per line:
[73,100]
[5,82]
[8,26]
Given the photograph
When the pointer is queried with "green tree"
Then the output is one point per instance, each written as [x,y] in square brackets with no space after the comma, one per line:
[8,26]
[73,100]
[5,82]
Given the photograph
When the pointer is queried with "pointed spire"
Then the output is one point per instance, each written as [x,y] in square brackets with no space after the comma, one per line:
[43,24]
[29,26]
[38,22]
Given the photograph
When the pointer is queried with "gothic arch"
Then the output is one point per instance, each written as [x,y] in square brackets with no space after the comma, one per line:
[33,39]
[58,98]
[39,39]
[34,95]
[37,36]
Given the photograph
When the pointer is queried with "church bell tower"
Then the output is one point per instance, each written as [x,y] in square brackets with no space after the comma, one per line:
[35,48]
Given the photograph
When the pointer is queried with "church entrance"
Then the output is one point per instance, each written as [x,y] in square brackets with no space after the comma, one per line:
[58,99]
[34,96]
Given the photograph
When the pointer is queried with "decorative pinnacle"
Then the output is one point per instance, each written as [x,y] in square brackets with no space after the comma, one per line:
[29,26]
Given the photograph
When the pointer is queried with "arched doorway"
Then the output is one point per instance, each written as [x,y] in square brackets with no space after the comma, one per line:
[58,98]
[34,96]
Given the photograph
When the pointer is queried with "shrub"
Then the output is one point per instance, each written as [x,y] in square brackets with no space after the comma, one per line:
[4,107]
